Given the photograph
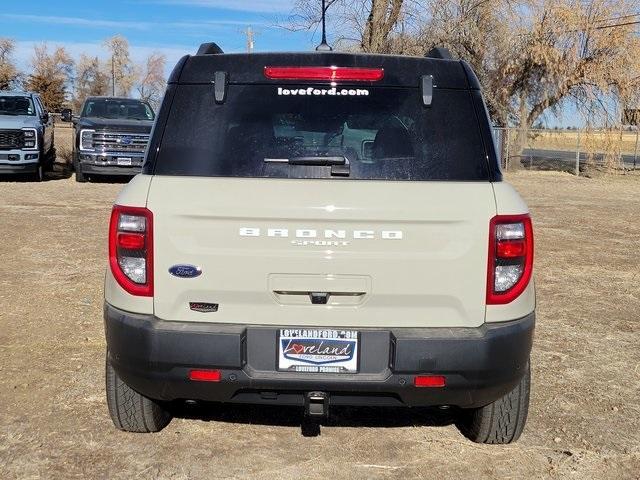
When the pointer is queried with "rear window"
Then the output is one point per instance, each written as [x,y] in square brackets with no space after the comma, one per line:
[307,131]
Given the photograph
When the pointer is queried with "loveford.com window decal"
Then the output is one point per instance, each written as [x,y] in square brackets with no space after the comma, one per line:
[319,92]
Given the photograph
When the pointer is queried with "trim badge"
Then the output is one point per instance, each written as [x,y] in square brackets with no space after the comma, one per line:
[203,307]
[185,271]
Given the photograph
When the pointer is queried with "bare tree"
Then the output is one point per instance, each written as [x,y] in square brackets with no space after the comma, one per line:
[51,75]
[365,25]
[381,21]
[152,81]
[120,66]
[572,50]
[533,56]
[91,79]
[480,32]
[8,70]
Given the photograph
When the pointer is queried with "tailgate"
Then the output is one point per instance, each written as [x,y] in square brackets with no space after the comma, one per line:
[322,252]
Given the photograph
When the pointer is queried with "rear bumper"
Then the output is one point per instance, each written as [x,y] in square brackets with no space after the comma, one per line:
[480,364]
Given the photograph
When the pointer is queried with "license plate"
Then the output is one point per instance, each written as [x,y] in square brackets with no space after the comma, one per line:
[318,350]
[124,161]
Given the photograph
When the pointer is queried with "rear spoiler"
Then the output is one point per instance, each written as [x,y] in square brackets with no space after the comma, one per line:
[399,71]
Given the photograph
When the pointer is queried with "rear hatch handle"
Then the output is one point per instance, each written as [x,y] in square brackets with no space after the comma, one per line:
[320,298]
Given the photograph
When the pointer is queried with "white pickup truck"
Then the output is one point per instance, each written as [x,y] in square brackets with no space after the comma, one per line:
[26,135]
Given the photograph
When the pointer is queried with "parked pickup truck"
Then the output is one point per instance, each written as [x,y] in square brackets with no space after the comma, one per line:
[26,135]
[111,135]
[321,229]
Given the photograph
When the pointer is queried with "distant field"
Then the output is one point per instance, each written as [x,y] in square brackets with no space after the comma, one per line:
[597,141]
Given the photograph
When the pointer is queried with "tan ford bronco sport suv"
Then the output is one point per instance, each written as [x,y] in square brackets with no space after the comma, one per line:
[321,229]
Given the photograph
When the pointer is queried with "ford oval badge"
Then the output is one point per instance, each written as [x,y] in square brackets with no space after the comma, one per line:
[185,271]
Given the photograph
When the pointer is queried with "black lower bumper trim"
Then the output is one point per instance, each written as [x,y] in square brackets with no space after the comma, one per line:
[18,168]
[481,364]
[89,169]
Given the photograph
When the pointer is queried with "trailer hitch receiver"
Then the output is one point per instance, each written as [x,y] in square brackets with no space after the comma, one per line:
[316,404]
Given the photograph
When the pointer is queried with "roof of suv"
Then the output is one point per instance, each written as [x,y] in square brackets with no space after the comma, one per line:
[399,71]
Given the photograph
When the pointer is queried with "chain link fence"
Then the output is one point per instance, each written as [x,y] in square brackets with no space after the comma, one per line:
[572,151]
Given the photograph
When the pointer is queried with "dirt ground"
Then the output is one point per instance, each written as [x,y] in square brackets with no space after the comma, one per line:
[584,420]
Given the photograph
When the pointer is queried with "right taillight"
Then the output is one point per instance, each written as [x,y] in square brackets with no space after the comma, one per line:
[510,257]
[131,249]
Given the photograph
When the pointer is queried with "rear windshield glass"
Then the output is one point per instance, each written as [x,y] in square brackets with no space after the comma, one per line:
[114,108]
[322,132]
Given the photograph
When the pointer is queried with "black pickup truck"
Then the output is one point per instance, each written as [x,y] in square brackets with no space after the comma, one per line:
[111,135]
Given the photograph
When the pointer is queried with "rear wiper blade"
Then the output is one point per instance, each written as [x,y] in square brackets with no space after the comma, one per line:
[339,164]
[313,161]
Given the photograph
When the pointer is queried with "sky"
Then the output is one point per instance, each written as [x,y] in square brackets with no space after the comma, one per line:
[173,27]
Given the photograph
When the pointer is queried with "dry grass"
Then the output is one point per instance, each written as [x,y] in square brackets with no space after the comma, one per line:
[584,420]
[596,142]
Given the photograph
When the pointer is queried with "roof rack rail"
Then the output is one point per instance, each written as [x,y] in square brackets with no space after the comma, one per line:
[439,52]
[209,49]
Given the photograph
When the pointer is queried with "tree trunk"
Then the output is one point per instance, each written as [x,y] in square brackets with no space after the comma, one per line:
[521,138]
[383,16]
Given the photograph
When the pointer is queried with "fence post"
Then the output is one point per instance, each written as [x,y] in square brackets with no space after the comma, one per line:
[635,152]
[578,155]
[506,160]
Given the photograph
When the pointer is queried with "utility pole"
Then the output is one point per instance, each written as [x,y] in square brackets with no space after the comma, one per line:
[578,155]
[250,39]
[113,77]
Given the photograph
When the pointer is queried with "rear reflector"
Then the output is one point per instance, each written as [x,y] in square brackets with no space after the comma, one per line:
[511,249]
[333,74]
[429,381]
[205,375]
[131,241]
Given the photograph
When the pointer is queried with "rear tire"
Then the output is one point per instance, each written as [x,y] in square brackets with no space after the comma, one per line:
[131,411]
[502,421]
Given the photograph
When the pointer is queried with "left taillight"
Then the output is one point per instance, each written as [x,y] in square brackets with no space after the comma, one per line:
[131,249]
[510,262]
